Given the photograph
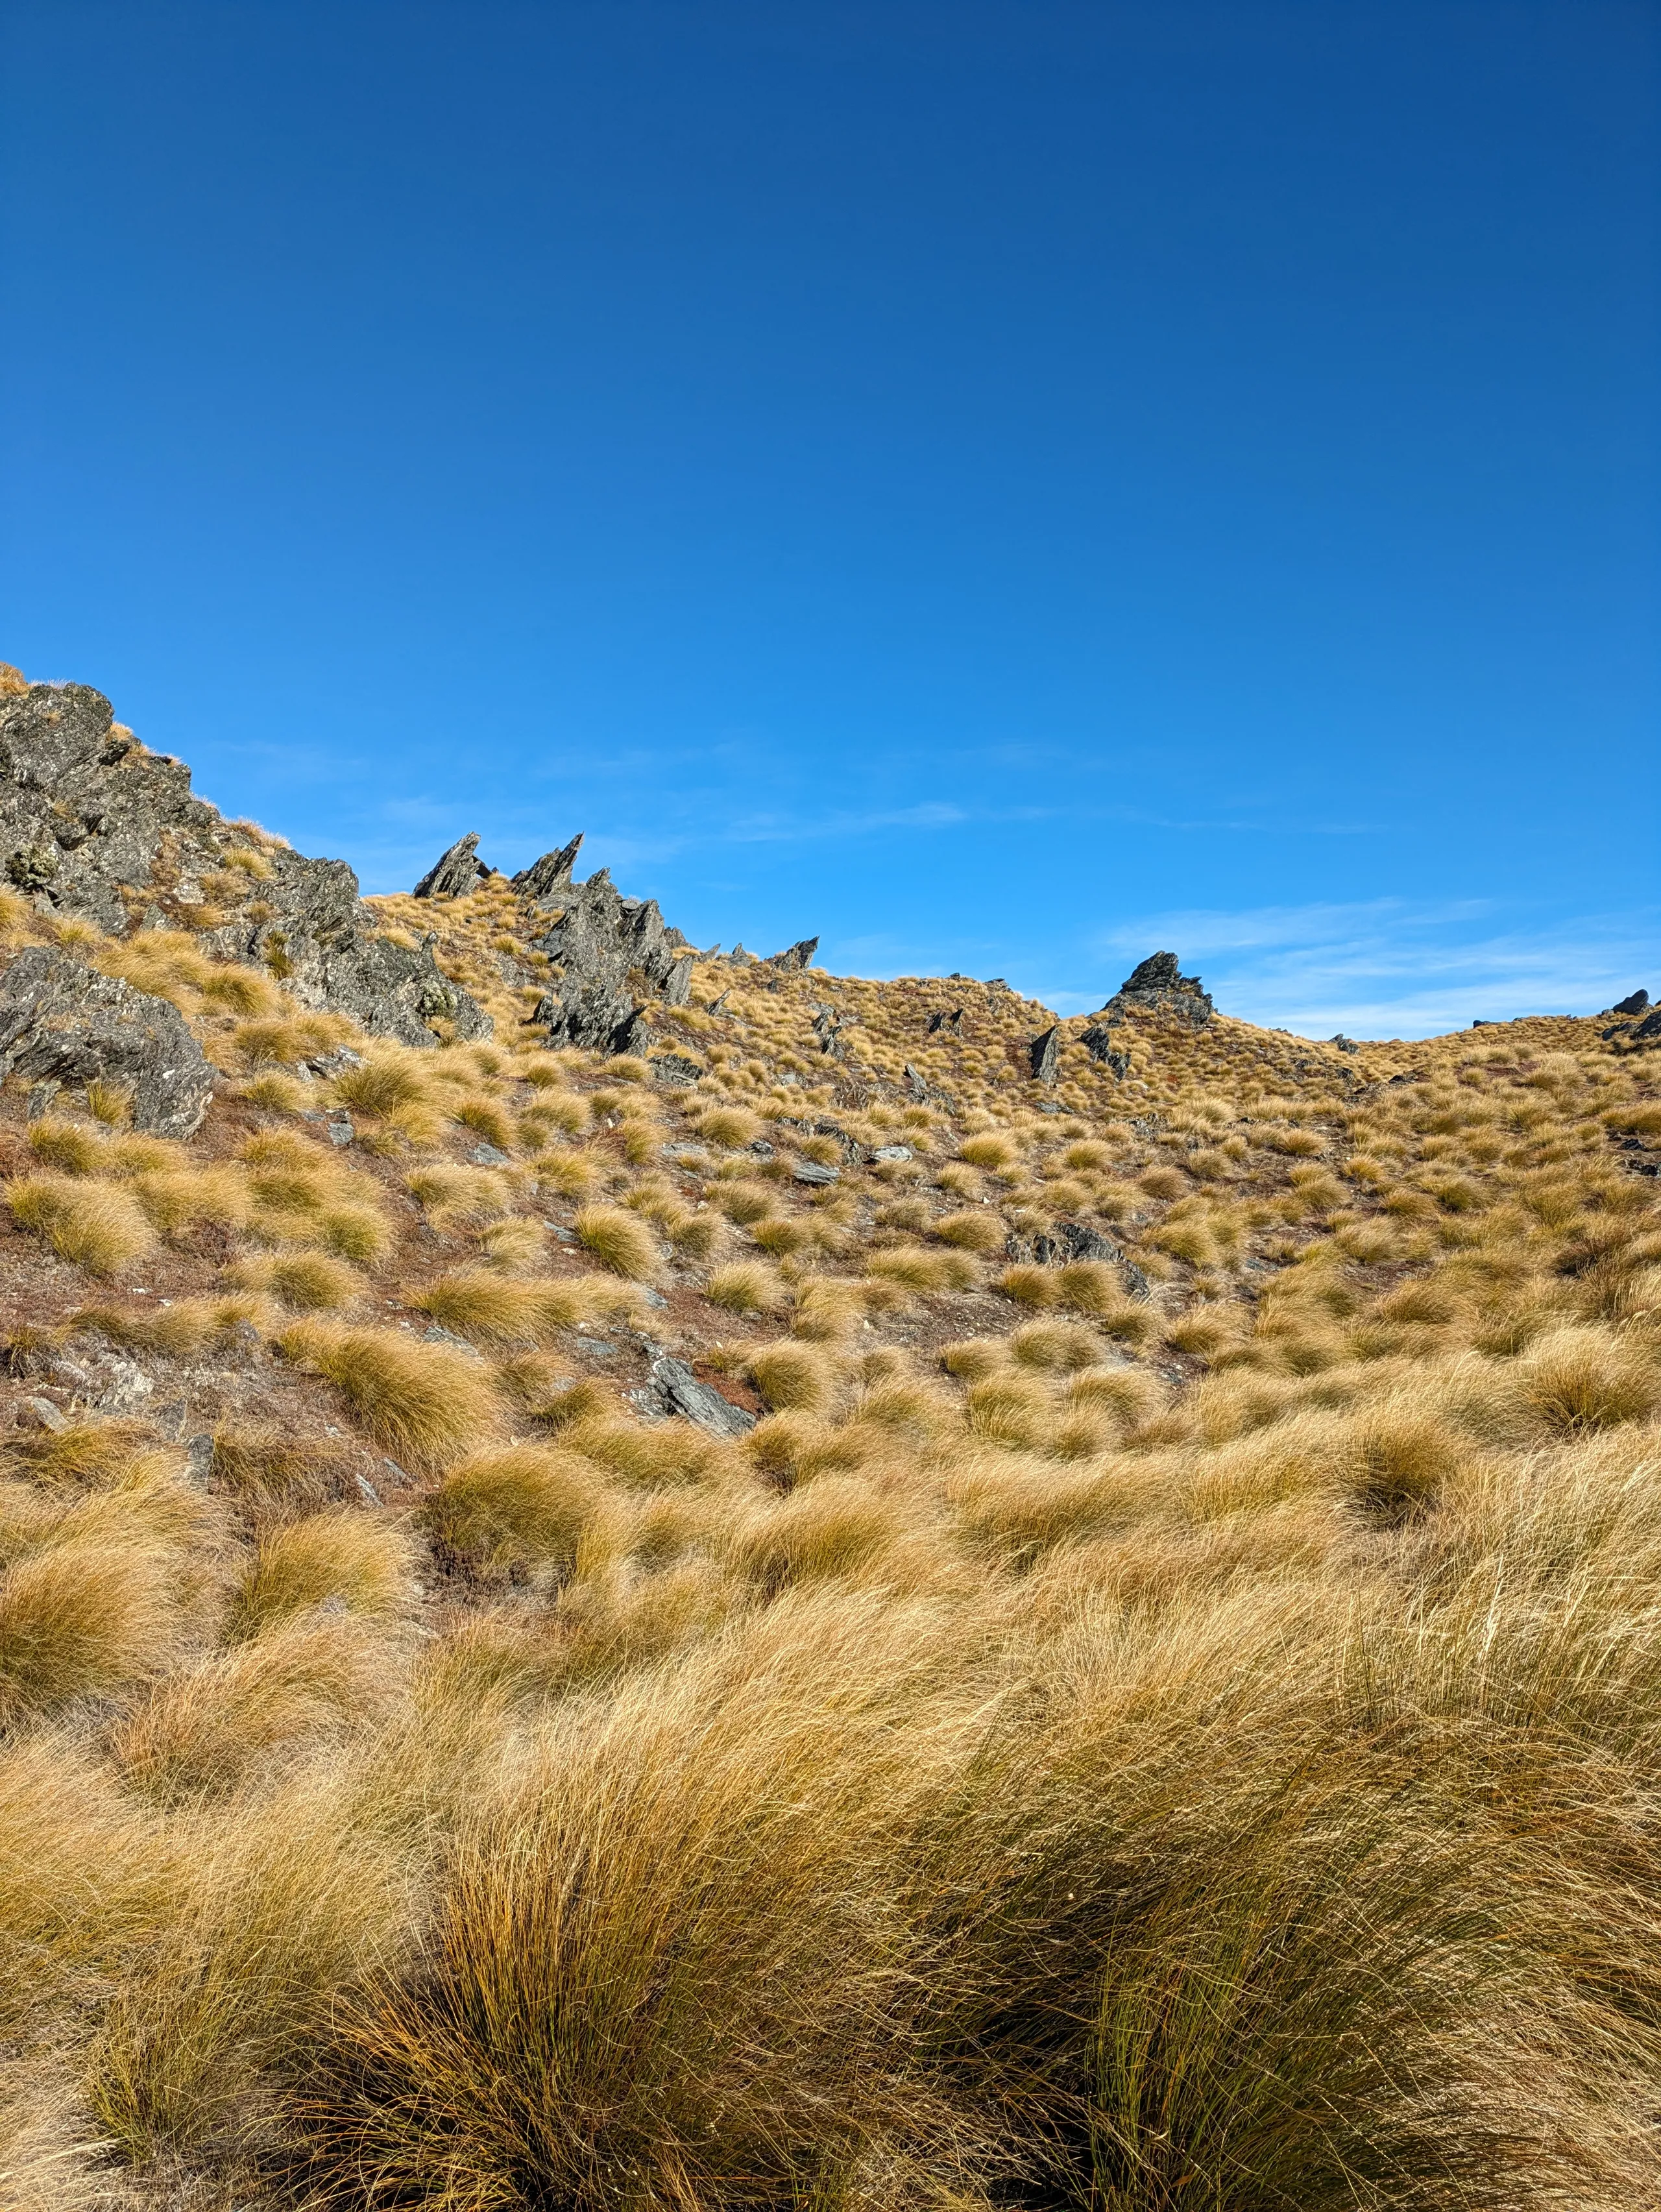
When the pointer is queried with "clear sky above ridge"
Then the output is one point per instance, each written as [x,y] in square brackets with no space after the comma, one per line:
[1005,487]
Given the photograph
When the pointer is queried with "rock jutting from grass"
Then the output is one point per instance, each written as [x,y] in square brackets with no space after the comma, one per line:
[65,1025]
[93,824]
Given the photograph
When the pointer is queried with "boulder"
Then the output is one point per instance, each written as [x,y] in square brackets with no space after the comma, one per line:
[674,1073]
[1649,1027]
[64,1024]
[1098,1042]
[1073,1240]
[1044,1053]
[94,824]
[455,872]
[1633,1004]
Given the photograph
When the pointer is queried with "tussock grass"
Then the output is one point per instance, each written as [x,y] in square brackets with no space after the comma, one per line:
[307,1282]
[520,1509]
[81,1618]
[94,1225]
[338,1557]
[1075,1749]
[746,1286]
[794,1376]
[619,1241]
[425,1403]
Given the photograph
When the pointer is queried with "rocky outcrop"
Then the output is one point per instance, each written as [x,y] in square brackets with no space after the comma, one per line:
[797,955]
[1043,1054]
[1633,1004]
[1155,986]
[93,824]
[1098,1042]
[454,874]
[611,956]
[551,873]
[65,1024]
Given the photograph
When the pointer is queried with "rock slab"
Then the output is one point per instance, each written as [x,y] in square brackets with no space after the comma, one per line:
[64,1022]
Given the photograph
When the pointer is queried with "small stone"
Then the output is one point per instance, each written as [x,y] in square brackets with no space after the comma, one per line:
[340,1130]
[395,1471]
[559,1233]
[490,1156]
[761,1148]
[49,1416]
[894,1154]
[815,1171]
[199,1455]
[437,1336]
[366,1489]
[652,1298]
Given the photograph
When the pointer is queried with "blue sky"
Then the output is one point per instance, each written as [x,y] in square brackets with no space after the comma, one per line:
[1005,487]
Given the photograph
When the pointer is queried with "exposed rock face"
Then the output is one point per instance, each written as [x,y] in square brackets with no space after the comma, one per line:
[701,1403]
[1098,1042]
[453,873]
[1043,1052]
[64,1024]
[799,955]
[1073,1240]
[548,874]
[609,953]
[1156,985]
[94,824]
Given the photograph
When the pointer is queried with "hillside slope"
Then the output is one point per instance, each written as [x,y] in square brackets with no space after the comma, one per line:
[876,1600]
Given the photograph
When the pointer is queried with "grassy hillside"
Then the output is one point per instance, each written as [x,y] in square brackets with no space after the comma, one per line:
[1077,1749]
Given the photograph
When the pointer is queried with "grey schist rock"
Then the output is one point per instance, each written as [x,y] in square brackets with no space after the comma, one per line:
[1043,1052]
[799,955]
[1156,985]
[673,1072]
[701,1403]
[94,823]
[64,1024]
[608,954]
[1633,1004]
[454,874]
[1073,1240]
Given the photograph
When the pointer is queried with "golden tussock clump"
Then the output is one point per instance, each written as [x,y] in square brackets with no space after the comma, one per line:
[425,1403]
[1172,1725]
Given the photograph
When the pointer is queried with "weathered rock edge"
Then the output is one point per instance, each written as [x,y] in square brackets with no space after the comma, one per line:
[93,824]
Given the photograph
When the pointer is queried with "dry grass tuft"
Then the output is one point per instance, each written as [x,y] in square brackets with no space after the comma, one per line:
[427,1404]
[94,1225]
[619,1241]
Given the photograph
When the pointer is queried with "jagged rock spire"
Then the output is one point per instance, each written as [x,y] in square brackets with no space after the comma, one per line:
[455,872]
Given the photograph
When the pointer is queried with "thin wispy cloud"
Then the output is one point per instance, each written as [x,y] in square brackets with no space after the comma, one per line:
[1392,967]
